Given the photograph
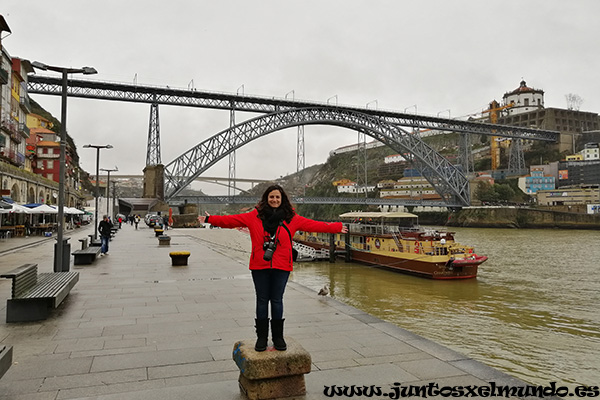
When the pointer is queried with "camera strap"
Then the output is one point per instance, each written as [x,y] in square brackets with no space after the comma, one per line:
[294,251]
[288,231]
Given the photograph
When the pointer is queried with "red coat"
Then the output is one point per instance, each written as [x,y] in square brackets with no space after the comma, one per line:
[282,258]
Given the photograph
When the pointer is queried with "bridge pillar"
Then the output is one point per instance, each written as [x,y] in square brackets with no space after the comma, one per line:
[154,181]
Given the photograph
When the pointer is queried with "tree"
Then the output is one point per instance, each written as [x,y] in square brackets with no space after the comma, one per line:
[574,101]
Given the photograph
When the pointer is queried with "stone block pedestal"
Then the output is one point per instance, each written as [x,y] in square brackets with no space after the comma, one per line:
[271,374]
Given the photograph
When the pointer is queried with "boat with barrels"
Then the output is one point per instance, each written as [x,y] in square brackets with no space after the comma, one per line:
[394,240]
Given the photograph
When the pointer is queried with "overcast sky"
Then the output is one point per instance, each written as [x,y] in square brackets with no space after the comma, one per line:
[433,57]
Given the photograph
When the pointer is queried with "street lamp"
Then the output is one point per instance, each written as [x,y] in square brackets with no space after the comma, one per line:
[97,147]
[108,189]
[65,71]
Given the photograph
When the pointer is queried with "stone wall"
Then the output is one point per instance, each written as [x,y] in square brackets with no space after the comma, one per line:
[504,217]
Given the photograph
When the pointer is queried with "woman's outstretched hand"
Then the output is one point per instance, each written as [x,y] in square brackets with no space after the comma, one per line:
[202,218]
[344,229]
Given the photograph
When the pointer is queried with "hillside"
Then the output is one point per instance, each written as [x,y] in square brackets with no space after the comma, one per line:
[316,181]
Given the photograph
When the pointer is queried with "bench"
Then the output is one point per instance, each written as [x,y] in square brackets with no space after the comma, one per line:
[33,294]
[95,242]
[86,256]
[5,359]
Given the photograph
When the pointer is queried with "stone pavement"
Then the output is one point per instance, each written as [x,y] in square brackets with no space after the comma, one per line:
[135,327]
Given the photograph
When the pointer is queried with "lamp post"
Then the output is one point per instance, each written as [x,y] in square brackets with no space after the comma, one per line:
[97,147]
[65,71]
[108,188]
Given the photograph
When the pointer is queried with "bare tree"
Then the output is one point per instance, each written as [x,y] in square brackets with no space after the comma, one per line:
[574,101]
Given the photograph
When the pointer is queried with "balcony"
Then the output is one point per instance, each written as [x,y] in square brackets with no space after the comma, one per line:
[8,126]
[14,157]
[16,137]
[3,76]
[25,102]
[24,129]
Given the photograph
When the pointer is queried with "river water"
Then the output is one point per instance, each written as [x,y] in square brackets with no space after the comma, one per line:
[533,311]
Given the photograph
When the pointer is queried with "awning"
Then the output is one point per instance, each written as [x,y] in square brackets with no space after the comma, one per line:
[44,209]
[15,209]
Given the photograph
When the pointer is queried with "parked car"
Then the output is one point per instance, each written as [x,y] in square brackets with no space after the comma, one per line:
[153,220]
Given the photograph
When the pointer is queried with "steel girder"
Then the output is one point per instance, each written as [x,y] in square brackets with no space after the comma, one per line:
[153,149]
[38,84]
[451,184]
[308,200]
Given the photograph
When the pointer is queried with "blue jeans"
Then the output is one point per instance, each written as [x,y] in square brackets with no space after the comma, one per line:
[104,244]
[269,285]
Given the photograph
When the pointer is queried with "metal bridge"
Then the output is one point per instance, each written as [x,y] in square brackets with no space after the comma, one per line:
[389,127]
[310,200]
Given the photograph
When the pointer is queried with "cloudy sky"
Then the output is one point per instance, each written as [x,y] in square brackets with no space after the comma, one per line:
[433,57]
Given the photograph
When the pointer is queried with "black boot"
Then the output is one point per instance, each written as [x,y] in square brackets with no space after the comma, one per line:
[262,333]
[277,331]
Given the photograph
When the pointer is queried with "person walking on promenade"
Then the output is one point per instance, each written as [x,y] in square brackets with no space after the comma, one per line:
[272,224]
[104,228]
[136,221]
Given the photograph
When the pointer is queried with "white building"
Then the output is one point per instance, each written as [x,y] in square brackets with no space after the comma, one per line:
[354,188]
[591,151]
[524,99]
[394,158]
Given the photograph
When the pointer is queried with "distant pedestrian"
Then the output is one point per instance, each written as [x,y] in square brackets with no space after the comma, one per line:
[136,221]
[165,221]
[104,228]
[120,222]
[272,224]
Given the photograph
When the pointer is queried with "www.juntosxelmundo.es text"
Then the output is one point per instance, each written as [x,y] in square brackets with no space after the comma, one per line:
[432,389]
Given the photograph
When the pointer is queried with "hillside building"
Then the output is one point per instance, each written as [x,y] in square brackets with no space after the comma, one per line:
[413,187]
[589,195]
[527,110]
[537,180]
[23,177]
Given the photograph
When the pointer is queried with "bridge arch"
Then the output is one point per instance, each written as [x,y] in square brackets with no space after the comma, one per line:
[450,183]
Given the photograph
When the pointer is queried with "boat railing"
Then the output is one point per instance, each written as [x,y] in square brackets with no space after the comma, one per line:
[372,229]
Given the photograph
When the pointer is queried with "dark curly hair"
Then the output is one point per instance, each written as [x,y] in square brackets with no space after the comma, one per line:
[286,205]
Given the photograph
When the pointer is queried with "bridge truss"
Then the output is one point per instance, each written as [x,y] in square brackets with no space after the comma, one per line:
[38,84]
[385,126]
[450,183]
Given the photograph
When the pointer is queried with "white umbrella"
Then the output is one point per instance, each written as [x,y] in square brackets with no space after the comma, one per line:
[44,209]
[73,211]
[18,209]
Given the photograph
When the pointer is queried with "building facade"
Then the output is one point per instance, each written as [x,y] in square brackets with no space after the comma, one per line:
[537,180]
[569,196]
[23,177]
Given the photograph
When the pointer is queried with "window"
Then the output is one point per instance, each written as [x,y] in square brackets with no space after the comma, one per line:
[50,164]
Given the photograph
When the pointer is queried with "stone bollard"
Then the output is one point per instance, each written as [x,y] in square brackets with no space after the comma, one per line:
[271,374]
[179,258]
[164,240]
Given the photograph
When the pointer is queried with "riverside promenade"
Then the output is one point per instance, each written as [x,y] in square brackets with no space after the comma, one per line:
[135,327]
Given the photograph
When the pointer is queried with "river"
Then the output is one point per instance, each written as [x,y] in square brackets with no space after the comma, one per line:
[533,311]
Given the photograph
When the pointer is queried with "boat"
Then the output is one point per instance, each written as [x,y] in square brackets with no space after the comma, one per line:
[394,240]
